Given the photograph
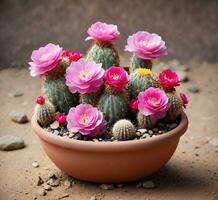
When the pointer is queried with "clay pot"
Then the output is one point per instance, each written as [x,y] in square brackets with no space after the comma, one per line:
[109,162]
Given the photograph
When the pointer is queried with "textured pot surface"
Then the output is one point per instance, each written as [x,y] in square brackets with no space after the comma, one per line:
[108,162]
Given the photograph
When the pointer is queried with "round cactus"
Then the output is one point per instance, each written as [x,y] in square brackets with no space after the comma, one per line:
[145,121]
[137,62]
[124,130]
[114,107]
[140,80]
[59,95]
[176,106]
[104,53]
[45,111]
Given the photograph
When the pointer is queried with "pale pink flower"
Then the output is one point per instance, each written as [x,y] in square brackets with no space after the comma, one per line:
[103,32]
[84,76]
[184,99]
[45,59]
[153,102]
[86,120]
[146,45]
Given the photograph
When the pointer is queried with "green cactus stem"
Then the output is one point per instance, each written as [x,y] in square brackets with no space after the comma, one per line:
[137,62]
[145,121]
[105,53]
[92,98]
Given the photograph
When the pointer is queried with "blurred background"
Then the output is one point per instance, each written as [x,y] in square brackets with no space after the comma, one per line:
[189,27]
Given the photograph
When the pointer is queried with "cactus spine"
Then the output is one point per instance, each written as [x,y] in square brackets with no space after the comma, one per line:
[145,121]
[105,53]
[176,107]
[92,98]
[140,80]
[124,130]
[137,62]
[45,113]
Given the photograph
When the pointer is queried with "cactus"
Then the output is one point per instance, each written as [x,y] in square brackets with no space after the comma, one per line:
[44,111]
[145,121]
[114,106]
[137,62]
[92,98]
[124,130]
[140,80]
[176,106]
[59,95]
[105,53]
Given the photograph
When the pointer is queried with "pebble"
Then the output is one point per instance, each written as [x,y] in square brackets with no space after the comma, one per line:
[55,125]
[93,197]
[142,130]
[214,142]
[19,117]
[53,182]
[41,192]
[150,132]
[15,94]
[35,164]
[63,196]
[68,183]
[11,142]
[47,187]
[172,126]
[71,135]
[39,181]
[194,89]
[146,135]
[148,184]
[138,133]
[107,186]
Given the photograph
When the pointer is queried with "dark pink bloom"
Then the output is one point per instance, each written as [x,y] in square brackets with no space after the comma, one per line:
[116,77]
[153,102]
[169,79]
[61,118]
[40,100]
[184,99]
[73,55]
[133,104]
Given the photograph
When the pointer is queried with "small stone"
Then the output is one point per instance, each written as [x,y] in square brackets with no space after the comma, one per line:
[150,132]
[11,142]
[93,197]
[183,76]
[35,164]
[71,135]
[15,94]
[142,130]
[146,135]
[51,175]
[47,187]
[160,132]
[138,133]
[54,125]
[148,184]
[139,185]
[95,140]
[172,126]
[107,186]
[194,89]
[63,196]
[53,182]
[18,117]
[68,183]
[120,185]
[214,142]
[41,192]
[56,132]
[39,181]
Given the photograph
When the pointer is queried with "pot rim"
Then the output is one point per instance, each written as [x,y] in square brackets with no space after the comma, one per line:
[110,146]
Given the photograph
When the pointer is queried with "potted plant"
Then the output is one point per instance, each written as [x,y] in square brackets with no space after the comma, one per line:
[98,123]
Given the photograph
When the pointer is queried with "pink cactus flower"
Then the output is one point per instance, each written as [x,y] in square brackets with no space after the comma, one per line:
[146,45]
[103,32]
[87,120]
[61,118]
[169,79]
[184,99]
[40,100]
[45,59]
[116,77]
[133,104]
[153,102]
[73,55]
[84,76]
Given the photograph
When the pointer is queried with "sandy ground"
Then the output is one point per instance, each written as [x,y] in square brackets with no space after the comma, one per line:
[190,174]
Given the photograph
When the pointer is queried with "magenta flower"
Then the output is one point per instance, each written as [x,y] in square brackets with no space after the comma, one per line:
[116,77]
[169,79]
[84,76]
[72,55]
[87,120]
[103,32]
[61,118]
[133,104]
[153,102]
[184,99]
[45,59]
[146,45]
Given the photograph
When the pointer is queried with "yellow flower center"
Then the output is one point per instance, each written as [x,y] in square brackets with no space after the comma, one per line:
[143,71]
[84,74]
[115,76]
[144,43]
[84,118]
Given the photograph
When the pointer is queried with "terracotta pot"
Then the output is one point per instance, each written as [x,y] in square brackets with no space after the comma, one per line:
[108,162]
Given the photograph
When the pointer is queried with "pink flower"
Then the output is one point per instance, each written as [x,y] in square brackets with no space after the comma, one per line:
[103,32]
[168,79]
[184,99]
[116,77]
[153,102]
[40,100]
[45,59]
[73,55]
[87,120]
[84,76]
[133,104]
[61,118]
[146,46]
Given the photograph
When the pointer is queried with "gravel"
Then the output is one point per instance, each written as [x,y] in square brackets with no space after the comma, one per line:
[19,117]
[214,142]
[107,186]
[194,89]
[35,164]
[11,142]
